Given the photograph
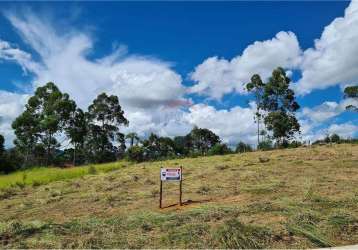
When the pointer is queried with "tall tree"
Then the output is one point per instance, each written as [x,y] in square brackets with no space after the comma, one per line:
[2,147]
[152,147]
[279,103]
[182,145]
[242,147]
[256,86]
[3,167]
[203,139]
[46,114]
[105,115]
[351,92]
[27,131]
[132,138]
[77,131]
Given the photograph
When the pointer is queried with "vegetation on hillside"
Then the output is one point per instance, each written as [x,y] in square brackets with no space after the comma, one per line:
[53,131]
[295,198]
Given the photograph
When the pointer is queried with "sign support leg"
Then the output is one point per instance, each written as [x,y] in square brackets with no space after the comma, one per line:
[180,186]
[160,194]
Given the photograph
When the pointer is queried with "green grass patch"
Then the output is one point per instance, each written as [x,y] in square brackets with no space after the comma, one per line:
[44,175]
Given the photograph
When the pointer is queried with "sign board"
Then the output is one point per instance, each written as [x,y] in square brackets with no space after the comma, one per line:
[170,174]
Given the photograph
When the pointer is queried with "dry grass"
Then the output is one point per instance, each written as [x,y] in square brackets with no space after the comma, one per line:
[299,198]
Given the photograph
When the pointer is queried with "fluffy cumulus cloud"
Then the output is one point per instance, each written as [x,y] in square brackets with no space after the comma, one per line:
[152,93]
[326,110]
[148,89]
[11,104]
[311,133]
[346,130]
[231,125]
[216,77]
[316,122]
[332,61]
[64,59]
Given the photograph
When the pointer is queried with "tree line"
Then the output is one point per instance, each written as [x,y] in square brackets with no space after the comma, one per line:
[53,130]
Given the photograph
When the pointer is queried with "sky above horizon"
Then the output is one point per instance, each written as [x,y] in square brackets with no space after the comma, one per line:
[174,65]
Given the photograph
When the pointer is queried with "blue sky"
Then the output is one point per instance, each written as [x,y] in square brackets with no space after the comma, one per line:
[179,64]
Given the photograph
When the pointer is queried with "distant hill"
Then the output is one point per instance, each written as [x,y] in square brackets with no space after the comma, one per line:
[293,198]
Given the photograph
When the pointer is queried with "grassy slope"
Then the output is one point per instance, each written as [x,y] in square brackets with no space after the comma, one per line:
[44,175]
[300,198]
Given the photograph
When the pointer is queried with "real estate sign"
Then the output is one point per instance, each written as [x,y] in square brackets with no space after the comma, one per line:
[170,174]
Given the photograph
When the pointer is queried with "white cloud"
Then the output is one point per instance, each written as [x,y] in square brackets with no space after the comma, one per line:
[216,77]
[231,125]
[145,86]
[11,105]
[327,110]
[315,121]
[332,61]
[152,94]
[64,60]
[345,130]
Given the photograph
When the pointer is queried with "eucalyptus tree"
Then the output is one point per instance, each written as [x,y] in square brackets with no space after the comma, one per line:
[203,139]
[46,115]
[279,102]
[105,116]
[133,137]
[27,131]
[77,132]
[2,147]
[257,87]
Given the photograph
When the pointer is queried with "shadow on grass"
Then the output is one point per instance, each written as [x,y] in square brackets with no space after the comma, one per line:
[186,203]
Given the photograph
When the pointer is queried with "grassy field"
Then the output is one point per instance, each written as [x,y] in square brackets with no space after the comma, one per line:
[295,198]
[41,176]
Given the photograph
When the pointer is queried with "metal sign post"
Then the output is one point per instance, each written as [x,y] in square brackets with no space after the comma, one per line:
[170,174]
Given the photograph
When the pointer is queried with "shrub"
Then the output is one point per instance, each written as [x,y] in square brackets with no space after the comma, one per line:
[335,138]
[243,147]
[219,149]
[92,170]
[265,145]
[136,153]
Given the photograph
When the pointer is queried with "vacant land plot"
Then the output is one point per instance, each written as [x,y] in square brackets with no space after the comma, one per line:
[296,198]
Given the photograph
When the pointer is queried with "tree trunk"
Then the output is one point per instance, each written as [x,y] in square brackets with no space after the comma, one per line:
[258,131]
[48,149]
[74,155]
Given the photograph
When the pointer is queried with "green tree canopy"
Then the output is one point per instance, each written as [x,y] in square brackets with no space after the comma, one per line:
[257,87]
[46,114]
[242,147]
[203,139]
[77,132]
[133,137]
[105,115]
[351,92]
[280,104]
[335,138]
[2,146]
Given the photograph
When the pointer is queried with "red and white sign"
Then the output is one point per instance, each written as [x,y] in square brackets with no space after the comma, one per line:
[170,174]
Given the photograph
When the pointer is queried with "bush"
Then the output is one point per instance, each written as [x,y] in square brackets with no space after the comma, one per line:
[219,149]
[335,138]
[92,170]
[265,145]
[10,161]
[136,153]
[243,147]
